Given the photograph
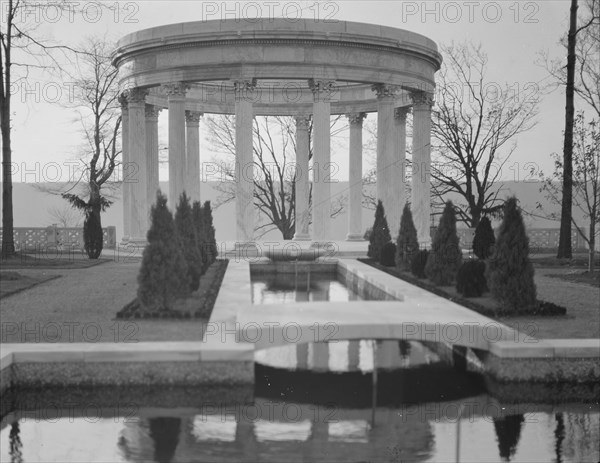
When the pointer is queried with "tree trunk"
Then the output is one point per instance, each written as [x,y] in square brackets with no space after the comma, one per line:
[8,243]
[92,231]
[592,245]
[564,242]
[288,233]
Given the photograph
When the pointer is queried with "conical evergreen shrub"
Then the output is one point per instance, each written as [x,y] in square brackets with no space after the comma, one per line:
[510,272]
[184,224]
[198,217]
[380,235]
[163,275]
[93,237]
[210,234]
[407,243]
[445,257]
[484,239]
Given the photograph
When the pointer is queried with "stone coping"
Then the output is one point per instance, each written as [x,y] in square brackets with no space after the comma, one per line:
[548,348]
[129,352]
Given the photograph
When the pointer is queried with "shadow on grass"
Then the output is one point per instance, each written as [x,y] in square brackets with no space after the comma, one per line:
[13,282]
[49,260]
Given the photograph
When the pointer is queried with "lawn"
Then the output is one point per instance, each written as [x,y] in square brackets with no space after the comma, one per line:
[576,276]
[581,301]
[82,307]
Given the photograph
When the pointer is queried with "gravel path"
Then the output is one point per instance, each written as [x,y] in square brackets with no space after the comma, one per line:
[583,308]
[81,305]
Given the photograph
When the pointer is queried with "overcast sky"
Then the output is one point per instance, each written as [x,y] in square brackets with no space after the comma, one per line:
[511,32]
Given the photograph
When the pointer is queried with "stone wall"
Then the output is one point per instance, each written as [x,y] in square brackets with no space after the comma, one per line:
[36,238]
[539,238]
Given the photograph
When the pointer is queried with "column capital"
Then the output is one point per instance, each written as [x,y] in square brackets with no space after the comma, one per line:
[152,111]
[400,113]
[175,90]
[244,85]
[136,96]
[422,100]
[302,122]
[193,117]
[123,101]
[322,89]
[385,90]
[356,118]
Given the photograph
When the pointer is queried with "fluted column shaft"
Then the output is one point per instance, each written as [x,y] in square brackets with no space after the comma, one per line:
[355,231]
[137,155]
[192,120]
[400,164]
[421,190]
[177,162]
[152,152]
[126,169]
[302,211]
[321,201]
[244,194]
[386,146]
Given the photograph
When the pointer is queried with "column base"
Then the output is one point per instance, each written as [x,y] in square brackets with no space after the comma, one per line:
[425,244]
[301,237]
[355,237]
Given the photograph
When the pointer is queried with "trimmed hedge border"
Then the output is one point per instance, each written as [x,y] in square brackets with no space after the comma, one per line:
[544,309]
[202,303]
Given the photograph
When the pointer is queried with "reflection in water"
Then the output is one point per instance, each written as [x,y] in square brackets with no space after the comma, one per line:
[559,434]
[508,432]
[425,411]
[286,287]
[341,356]
[15,443]
[165,434]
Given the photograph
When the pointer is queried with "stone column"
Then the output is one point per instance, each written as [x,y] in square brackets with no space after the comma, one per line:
[137,155]
[192,119]
[353,355]
[302,356]
[321,193]
[355,231]
[320,356]
[400,164]
[421,165]
[152,152]
[126,169]
[302,185]
[176,96]
[244,169]
[386,145]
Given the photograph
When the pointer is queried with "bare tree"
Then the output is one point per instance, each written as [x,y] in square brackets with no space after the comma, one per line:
[274,146]
[580,76]
[97,106]
[23,48]
[474,126]
[65,216]
[586,180]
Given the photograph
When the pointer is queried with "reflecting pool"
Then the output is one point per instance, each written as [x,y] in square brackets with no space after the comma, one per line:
[390,401]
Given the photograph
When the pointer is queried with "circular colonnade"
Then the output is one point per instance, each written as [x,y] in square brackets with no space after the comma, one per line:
[303,68]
